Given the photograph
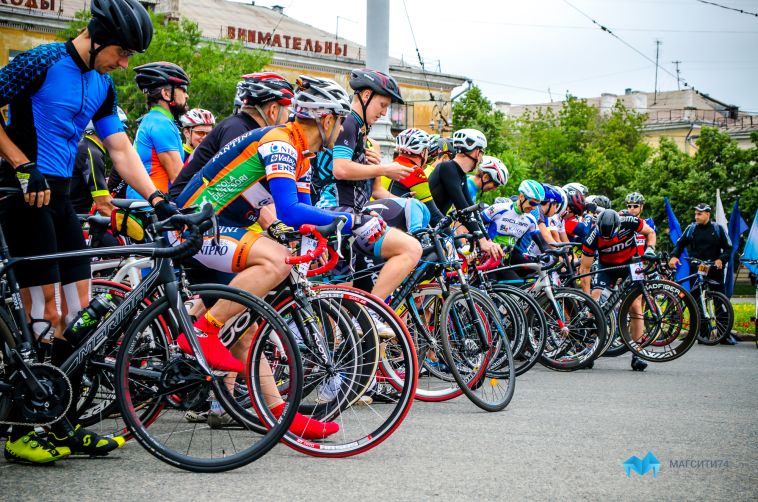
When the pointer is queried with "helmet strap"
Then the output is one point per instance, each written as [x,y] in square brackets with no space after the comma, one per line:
[263,115]
[364,106]
[93,53]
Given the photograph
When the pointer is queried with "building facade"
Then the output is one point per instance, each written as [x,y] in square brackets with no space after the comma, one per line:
[297,48]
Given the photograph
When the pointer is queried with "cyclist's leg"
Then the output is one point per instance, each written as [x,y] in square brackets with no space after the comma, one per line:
[402,253]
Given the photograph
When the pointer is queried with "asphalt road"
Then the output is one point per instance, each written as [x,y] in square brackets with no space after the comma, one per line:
[564,436]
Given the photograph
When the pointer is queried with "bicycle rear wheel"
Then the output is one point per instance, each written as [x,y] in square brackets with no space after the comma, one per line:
[721,317]
[534,328]
[151,370]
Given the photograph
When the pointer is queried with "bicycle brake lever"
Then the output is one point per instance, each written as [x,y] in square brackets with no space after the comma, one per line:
[340,224]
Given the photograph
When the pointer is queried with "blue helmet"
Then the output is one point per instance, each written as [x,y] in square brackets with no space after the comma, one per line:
[552,194]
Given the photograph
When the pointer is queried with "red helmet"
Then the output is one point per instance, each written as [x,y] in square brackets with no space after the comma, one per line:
[576,201]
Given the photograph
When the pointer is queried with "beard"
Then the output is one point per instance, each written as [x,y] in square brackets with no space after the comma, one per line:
[177,110]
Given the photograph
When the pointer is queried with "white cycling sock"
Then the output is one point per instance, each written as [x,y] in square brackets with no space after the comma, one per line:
[73,305]
[37,310]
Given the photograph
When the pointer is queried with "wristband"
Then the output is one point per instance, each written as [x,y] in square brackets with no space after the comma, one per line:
[155,194]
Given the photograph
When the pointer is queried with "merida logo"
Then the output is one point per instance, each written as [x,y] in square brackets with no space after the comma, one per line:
[642,466]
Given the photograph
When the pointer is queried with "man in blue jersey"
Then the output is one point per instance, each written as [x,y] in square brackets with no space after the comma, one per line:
[52,92]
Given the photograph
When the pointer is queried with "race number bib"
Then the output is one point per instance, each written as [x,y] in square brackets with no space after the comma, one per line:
[306,244]
[635,272]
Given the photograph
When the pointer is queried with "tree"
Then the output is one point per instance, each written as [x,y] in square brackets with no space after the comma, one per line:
[474,111]
[214,68]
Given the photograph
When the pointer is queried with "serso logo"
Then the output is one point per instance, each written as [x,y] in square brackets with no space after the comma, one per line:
[642,466]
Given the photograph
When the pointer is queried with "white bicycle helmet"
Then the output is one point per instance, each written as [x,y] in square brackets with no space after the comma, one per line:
[569,187]
[316,97]
[413,141]
[564,199]
[532,190]
[495,168]
[196,117]
[468,140]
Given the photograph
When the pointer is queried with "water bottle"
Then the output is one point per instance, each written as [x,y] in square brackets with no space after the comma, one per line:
[87,319]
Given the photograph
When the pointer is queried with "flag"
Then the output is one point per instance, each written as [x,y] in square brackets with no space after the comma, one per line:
[675,231]
[737,227]
[751,246]
[720,216]
[651,224]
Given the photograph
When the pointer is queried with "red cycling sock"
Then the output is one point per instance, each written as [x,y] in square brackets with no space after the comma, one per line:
[307,427]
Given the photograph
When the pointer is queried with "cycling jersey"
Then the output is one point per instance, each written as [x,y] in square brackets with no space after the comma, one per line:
[473,190]
[449,187]
[254,170]
[505,225]
[418,183]
[619,249]
[88,179]
[226,130]
[52,96]
[157,133]
[350,145]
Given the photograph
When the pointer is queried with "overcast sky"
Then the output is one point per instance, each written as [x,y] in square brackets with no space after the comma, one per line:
[516,50]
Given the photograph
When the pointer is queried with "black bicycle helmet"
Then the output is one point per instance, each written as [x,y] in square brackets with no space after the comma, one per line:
[153,75]
[608,224]
[602,201]
[377,81]
[259,88]
[125,23]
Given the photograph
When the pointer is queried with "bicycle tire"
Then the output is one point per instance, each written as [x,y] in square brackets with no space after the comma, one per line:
[480,382]
[722,317]
[535,327]
[159,368]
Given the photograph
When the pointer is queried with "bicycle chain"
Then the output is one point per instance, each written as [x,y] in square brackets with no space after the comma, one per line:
[68,405]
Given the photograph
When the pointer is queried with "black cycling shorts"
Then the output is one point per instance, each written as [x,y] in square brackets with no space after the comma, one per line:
[607,279]
[32,231]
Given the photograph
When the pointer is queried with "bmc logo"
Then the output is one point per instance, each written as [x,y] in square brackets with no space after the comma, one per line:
[642,466]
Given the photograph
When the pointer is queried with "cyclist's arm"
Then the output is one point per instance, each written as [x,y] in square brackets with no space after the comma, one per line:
[650,237]
[128,164]
[681,244]
[294,209]
[726,246]
[95,165]
[545,233]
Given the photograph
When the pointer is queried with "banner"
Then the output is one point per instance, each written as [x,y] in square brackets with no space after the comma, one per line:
[675,232]
[751,246]
[737,227]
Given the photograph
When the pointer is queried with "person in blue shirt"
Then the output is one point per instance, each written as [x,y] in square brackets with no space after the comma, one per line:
[53,91]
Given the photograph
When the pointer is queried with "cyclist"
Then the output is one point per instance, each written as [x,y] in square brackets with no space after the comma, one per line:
[635,204]
[440,150]
[88,183]
[158,141]
[261,167]
[573,224]
[490,175]
[263,99]
[508,222]
[196,125]
[613,242]
[345,177]
[38,147]
[448,180]
[413,147]
[548,208]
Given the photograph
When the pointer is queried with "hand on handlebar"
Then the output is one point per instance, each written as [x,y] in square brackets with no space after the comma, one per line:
[674,262]
[491,248]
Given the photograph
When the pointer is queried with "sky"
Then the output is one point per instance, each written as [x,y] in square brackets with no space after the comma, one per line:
[532,51]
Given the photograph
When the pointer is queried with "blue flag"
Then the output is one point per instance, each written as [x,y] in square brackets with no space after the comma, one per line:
[675,232]
[737,227]
[751,246]
[651,224]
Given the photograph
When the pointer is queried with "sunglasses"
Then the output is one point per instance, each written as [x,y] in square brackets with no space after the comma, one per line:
[532,202]
[202,134]
[126,53]
[633,206]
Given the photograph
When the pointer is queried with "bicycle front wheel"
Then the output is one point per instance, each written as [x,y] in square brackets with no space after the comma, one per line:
[151,371]
[486,376]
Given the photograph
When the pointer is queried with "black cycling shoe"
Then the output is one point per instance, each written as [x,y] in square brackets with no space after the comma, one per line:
[85,442]
[638,364]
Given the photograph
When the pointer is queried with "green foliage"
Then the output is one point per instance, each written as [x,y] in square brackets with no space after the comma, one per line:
[214,68]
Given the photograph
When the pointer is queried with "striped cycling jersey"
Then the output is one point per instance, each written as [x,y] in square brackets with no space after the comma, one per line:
[236,180]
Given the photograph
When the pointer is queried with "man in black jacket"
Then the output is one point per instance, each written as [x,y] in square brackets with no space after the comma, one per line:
[705,240]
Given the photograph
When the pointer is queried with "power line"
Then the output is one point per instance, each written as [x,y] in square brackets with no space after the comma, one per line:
[607,30]
[418,53]
[541,91]
[729,8]
[576,27]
